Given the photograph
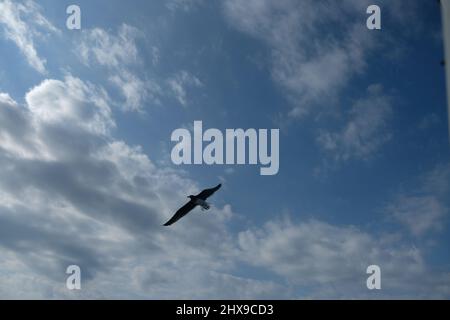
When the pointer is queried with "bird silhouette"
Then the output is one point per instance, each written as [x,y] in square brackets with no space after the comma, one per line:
[198,200]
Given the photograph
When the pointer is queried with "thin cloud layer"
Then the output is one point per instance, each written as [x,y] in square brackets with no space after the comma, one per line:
[309,71]
[321,256]
[423,210]
[366,130]
[119,55]
[22,23]
[179,83]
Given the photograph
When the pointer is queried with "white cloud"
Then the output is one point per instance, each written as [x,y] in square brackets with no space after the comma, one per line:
[331,260]
[316,49]
[365,131]
[420,214]
[119,54]
[423,209]
[78,196]
[71,101]
[102,47]
[71,193]
[179,84]
[22,22]
[307,65]
[135,90]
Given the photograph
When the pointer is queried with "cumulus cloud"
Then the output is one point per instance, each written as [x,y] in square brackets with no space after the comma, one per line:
[331,260]
[365,131]
[22,23]
[72,101]
[71,194]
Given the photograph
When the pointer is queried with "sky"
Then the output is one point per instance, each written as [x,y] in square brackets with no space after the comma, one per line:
[86,176]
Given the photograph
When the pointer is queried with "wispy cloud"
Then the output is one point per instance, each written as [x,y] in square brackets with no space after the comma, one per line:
[116,51]
[308,71]
[365,131]
[135,90]
[179,83]
[419,214]
[423,209]
[119,54]
[22,23]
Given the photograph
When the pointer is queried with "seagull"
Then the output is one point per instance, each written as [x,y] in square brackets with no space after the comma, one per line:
[198,200]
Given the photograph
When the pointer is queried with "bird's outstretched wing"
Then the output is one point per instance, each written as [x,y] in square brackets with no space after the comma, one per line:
[205,194]
[184,210]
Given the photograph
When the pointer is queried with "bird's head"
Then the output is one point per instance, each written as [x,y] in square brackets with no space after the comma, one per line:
[191,197]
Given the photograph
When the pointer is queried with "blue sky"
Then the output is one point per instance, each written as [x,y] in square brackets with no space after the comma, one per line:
[86,176]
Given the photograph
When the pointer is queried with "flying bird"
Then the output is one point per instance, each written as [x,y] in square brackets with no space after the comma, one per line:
[198,200]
